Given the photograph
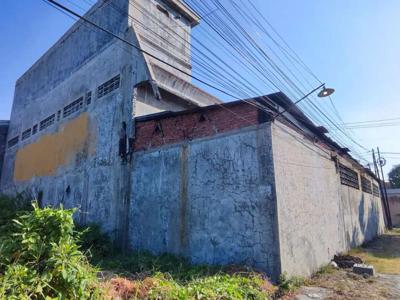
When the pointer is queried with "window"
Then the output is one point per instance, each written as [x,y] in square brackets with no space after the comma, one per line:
[26,134]
[108,86]
[348,177]
[73,107]
[47,122]
[88,98]
[375,190]
[366,185]
[58,115]
[13,141]
[34,129]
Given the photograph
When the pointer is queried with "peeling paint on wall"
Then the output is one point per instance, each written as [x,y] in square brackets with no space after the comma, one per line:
[52,151]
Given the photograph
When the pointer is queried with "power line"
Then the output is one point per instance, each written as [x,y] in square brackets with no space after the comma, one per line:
[251,41]
[202,81]
[136,47]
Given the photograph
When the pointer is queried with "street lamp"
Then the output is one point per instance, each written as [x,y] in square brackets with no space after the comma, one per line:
[325,92]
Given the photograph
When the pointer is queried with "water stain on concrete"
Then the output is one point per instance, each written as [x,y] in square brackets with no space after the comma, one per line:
[184,197]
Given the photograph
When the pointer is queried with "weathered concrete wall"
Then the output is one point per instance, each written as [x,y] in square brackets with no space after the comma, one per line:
[3,141]
[394,205]
[210,199]
[362,215]
[318,217]
[162,31]
[75,161]
[146,103]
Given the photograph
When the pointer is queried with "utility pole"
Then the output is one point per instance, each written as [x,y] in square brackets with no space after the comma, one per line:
[381,189]
[380,161]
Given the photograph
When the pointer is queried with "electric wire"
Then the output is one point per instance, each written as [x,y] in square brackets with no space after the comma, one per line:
[150,55]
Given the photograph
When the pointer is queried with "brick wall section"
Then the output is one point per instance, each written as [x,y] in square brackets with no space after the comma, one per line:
[3,141]
[169,128]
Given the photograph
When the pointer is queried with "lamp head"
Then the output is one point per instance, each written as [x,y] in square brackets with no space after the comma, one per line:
[326,92]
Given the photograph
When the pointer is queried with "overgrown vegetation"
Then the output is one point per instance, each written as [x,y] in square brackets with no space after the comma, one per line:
[43,256]
[40,259]
[170,277]
[290,284]
[94,242]
[10,208]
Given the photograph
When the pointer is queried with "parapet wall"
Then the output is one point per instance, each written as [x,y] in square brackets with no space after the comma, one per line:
[203,188]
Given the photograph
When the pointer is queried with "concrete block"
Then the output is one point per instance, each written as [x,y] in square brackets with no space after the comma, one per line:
[363,269]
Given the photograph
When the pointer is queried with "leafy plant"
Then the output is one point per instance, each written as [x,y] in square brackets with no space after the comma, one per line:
[41,259]
[91,239]
[10,207]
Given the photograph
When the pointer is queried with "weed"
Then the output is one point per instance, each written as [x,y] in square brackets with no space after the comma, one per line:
[41,259]
[170,277]
[290,284]
[92,240]
[326,269]
[10,208]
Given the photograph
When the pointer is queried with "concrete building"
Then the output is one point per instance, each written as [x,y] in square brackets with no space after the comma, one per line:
[3,140]
[164,166]
[71,107]
[275,194]
[394,205]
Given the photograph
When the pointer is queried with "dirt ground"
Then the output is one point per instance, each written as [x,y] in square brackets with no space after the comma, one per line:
[383,253]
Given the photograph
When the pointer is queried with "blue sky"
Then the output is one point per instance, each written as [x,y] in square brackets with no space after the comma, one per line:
[353,46]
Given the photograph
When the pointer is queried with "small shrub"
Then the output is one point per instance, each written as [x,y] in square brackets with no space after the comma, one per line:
[41,259]
[93,240]
[10,208]
[290,284]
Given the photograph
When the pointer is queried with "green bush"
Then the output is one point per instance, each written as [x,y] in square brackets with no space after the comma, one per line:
[41,259]
[92,240]
[10,207]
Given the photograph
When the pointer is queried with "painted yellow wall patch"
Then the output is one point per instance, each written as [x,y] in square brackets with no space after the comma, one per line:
[52,151]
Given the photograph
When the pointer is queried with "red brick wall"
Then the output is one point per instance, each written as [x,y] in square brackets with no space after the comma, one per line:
[193,124]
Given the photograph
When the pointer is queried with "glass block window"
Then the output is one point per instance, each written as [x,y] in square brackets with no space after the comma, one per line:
[47,122]
[13,141]
[108,86]
[366,185]
[375,190]
[73,107]
[348,177]
[88,98]
[34,129]
[26,134]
